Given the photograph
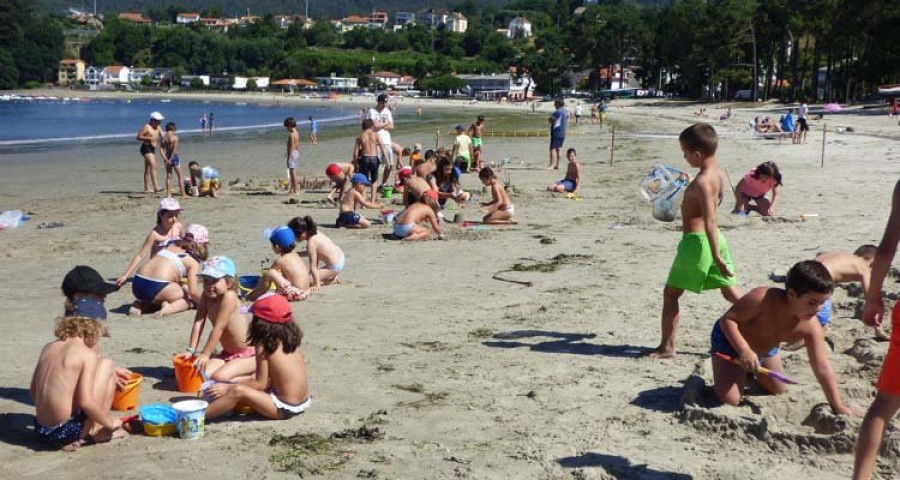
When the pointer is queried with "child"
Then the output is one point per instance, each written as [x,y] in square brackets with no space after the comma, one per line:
[167,230]
[750,192]
[447,179]
[367,153]
[339,174]
[751,330]
[72,387]
[499,210]
[159,282]
[288,272]
[293,153]
[199,188]
[313,131]
[413,185]
[170,156]
[406,226]
[887,401]
[279,390]
[703,261]
[462,147]
[348,217]
[84,283]
[573,176]
[476,130]
[220,304]
[319,248]
[415,155]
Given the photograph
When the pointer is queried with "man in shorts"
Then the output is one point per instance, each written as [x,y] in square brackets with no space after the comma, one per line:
[558,122]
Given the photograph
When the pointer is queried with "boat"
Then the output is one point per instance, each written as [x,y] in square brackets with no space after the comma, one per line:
[889,90]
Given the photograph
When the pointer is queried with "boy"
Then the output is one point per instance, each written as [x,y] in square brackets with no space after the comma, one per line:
[500,209]
[170,156]
[313,131]
[280,390]
[367,153]
[339,174]
[475,131]
[462,147]
[407,224]
[558,122]
[703,261]
[887,401]
[73,387]
[414,186]
[355,196]
[197,186]
[573,176]
[85,289]
[288,272]
[293,153]
[751,330]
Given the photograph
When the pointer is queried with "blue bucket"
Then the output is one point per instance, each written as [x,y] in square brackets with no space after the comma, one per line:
[191,418]
[157,414]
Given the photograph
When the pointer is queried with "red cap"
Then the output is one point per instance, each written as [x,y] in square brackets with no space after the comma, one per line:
[272,308]
[405,172]
[333,169]
[433,194]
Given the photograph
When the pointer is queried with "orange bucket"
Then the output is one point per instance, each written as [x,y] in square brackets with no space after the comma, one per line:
[127,398]
[187,377]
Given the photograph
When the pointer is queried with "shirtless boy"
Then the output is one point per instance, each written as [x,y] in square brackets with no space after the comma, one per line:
[703,261]
[288,272]
[356,196]
[172,160]
[751,330]
[293,153]
[148,136]
[367,153]
[407,225]
[475,132]
[573,176]
[339,174]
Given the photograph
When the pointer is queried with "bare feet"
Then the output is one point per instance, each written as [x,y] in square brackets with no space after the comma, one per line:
[660,353]
[134,311]
[164,310]
[881,336]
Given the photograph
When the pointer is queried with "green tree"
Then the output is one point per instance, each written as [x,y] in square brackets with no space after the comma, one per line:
[443,84]
[252,85]
[197,84]
[9,74]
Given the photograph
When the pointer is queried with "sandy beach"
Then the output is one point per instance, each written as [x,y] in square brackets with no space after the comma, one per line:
[429,368]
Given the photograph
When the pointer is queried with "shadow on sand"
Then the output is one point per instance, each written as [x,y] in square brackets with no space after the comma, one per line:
[619,467]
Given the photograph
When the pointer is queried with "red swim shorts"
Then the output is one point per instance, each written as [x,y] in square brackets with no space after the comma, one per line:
[889,380]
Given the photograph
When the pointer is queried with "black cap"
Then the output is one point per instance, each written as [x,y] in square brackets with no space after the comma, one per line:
[87,280]
[382,98]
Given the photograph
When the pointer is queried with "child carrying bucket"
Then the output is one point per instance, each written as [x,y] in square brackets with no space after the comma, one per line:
[220,304]
[279,391]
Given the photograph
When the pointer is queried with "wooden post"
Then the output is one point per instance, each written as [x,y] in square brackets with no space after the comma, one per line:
[437,139]
[612,145]
[824,131]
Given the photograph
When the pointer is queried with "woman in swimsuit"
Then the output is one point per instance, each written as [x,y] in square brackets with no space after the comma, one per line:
[167,230]
[318,248]
[159,281]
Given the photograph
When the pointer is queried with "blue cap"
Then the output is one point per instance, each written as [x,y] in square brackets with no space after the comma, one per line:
[282,236]
[88,307]
[218,267]
[361,178]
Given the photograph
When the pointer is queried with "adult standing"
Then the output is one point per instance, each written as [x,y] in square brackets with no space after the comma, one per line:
[148,135]
[558,122]
[203,123]
[802,122]
[212,122]
[383,120]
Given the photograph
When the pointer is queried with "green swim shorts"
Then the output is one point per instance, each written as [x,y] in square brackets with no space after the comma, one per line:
[694,268]
[476,142]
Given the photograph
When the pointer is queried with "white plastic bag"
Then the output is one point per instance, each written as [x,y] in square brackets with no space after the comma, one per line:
[11,219]
[659,181]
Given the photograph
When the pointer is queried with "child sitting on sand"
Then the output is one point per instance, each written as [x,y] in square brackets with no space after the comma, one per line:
[167,230]
[220,304]
[339,174]
[753,328]
[750,192]
[159,282]
[73,387]
[348,217]
[319,248]
[573,176]
[413,185]
[84,285]
[406,226]
[447,180]
[499,210]
[279,390]
[288,272]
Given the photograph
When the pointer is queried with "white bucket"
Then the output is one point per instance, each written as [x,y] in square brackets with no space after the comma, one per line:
[191,418]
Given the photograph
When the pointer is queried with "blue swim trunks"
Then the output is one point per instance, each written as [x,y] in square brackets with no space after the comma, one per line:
[176,161]
[556,141]
[567,184]
[66,432]
[721,344]
[824,314]
[347,218]
[146,289]
[401,230]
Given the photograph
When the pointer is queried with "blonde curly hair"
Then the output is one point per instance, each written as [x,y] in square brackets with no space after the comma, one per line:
[89,329]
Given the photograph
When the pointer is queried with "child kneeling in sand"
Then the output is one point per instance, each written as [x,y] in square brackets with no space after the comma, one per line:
[499,210]
[73,387]
[279,390]
[406,226]
[573,176]
[750,192]
[753,328]
[288,272]
[348,217]
[220,304]
[319,248]
[339,174]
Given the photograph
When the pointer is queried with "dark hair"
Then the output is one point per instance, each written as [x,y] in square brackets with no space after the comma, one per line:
[439,173]
[558,102]
[310,118]
[486,173]
[481,118]
[428,154]
[701,137]
[289,122]
[809,276]
[367,124]
[571,150]
[866,251]
[768,169]
[170,126]
[192,163]
[303,225]
[270,336]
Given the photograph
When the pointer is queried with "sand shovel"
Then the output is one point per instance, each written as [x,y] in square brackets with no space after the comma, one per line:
[763,370]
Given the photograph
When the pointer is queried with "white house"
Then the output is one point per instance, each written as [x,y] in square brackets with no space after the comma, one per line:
[338,83]
[240,83]
[185,18]
[492,87]
[390,79]
[116,74]
[93,76]
[433,18]
[519,27]
[138,74]
[457,23]
[402,19]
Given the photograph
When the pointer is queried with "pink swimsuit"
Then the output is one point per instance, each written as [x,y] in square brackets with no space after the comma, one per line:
[754,187]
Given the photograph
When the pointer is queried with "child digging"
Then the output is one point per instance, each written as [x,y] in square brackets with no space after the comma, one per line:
[499,210]
[279,390]
[750,192]
[340,175]
[288,272]
[703,261]
[407,224]
[348,217]
[220,304]
[319,248]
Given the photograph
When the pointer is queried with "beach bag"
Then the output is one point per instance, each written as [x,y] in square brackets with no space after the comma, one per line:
[660,181]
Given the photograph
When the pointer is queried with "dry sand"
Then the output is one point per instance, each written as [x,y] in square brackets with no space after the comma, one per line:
[464,376]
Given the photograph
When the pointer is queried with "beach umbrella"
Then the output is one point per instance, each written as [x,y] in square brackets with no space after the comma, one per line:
[832,107]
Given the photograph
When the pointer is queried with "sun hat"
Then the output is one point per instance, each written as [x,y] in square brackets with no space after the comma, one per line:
[88,307]
[282,236]
[218,267]
[169,203]
[272,308]
[197,233]
[157,116]
[333,169]
[460,127]
[85,279]
[359,178]
[417,147]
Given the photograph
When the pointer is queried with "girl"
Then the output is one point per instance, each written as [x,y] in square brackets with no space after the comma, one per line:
[318,248]
[750,193]
[158,282]
[167,230]
[220,304]
[499,209]
[446,178]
